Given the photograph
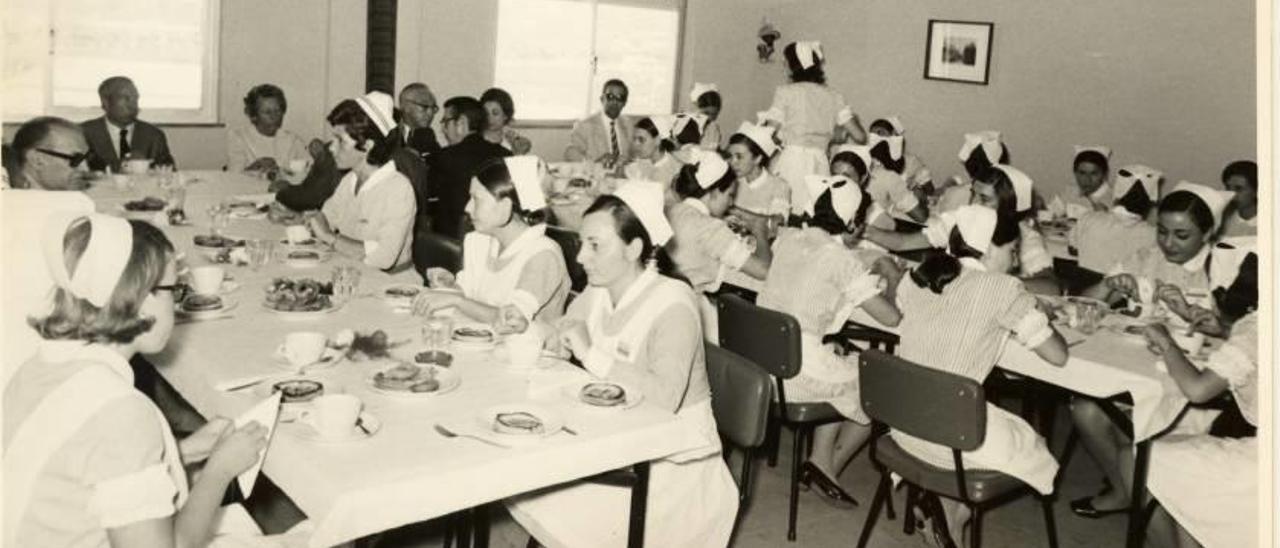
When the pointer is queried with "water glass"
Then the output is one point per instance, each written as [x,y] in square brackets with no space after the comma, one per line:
[437,332]
[260,251]
[175,196]
[346,280]
[219,218]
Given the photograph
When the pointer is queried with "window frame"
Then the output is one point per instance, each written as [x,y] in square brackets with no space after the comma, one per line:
[206,115]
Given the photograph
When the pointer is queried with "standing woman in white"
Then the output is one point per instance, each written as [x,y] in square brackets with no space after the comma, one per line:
[809,115]
[637,326]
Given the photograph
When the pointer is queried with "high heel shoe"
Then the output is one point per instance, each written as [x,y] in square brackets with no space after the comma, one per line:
[827,486]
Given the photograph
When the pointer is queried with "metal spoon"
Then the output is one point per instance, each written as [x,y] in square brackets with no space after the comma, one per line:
[450,434]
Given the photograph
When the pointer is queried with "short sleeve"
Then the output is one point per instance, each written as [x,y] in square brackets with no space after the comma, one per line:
[539,280]
[860,284]
[1021,316]
[844,113]
[776,112]
[125,466]
[721,243]
[1032,252]
[1237,360]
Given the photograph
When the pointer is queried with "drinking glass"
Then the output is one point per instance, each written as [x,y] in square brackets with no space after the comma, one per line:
[346,280]
[219,218]
[260,251]
[437,331]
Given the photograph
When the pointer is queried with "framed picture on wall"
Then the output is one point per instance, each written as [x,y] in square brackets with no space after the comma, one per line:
[958,51]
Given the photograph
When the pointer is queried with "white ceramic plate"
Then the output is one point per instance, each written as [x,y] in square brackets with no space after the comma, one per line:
[400,301]
[449,381]
[227,305]
[552,422]
[303,315]
[474,345]
[632,396]
[306,432]
[327,359]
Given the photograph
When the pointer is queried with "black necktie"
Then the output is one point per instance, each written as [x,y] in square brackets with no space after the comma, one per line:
[613,136]
[124,143]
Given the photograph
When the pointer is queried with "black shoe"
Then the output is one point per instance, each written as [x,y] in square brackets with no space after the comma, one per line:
[1083,507]
[828,487]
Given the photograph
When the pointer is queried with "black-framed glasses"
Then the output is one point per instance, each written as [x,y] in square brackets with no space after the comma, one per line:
[74,159]
[426,106]
[172,288]
[615,97]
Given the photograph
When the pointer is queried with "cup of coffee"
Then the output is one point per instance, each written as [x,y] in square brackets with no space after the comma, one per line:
[524,349]
[206,280]
[332,415]
[303,347]
[297,234]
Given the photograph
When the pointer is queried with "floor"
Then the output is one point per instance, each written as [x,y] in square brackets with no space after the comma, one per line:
[1018,523]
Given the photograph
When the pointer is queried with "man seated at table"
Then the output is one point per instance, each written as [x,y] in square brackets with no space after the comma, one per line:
[50,153]
[417,109]
[449,171]
[604,137]
[119,135]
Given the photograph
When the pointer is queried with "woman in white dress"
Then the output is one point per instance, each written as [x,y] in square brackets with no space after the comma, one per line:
[1241,177]
[980,152]
[889,149]
[706,99]
[651,148]
[507,260]
[1104,238]
[959,309]
[637,326]
[815,278]
[265,147]
[760,192]
[89,460]
[1090,191]
[808,115]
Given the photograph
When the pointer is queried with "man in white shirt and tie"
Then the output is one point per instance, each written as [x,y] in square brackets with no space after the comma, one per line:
[604,137]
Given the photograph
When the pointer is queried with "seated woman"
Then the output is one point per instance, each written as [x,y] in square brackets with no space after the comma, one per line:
[979,153]
[1207,481]
[760,193]
[1105,238]
[500,109]
[704,248]
[1090,192]
[1165,282]
[637,326]
[89,460]
[820,282]
[896,158]
[264,148]
[894,201]
[1241,177]
[651,148]
[706,98]
[507,260]
[958,309]
[371,213]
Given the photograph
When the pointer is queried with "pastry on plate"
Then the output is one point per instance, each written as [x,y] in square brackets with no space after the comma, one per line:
[603,394]
[518,422]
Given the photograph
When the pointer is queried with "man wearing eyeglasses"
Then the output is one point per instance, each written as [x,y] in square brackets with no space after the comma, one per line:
[50,154]
[418,108]
[605,137]
[119,134]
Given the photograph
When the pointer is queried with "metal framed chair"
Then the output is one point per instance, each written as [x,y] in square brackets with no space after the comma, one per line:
[741,393]
[771,339]
[942,408]
[432,249]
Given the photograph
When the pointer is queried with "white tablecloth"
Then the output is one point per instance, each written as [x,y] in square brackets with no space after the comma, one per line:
[406,472]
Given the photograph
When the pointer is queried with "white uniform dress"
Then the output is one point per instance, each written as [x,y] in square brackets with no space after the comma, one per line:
[1104,238]
[765,195]
[1210,484]
[529,274]
[380,215]
[1032,257]
[649,340]
[704,249]
[808,114]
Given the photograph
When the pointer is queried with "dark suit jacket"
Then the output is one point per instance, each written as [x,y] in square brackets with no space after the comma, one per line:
[449,175]
[147,141]
[323,179]
[423,140]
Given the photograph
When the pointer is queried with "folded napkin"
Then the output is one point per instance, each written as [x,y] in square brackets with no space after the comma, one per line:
[264,413]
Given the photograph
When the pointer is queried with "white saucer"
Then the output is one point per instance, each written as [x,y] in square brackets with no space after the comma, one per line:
[552,422]
[227,304]
[633,396]
[327,359]
[449,381]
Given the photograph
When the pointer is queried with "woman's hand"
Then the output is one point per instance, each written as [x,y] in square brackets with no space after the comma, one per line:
[237,450]
[1158,338]
[1172,297]
[520,145]
[265,164]
[439,278]
[1206,321]
[510,320]
[1125,284]
[574,336]
[319,226]
[197,446]
[317,149]
[428,302]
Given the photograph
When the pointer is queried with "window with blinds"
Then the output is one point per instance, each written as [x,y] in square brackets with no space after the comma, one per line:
[556,54]
[56,52]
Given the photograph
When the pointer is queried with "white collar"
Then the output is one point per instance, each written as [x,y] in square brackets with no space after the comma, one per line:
[525,239]
[61,351]
[1126,215]
[758,181]
[116,129]
[383,173]
[604,119]
[975,264]
[1101,194]
[698,205]
[646,278]
[1196,264]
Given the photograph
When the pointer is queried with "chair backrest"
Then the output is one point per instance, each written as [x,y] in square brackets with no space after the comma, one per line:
[768,338]
[432,249]
[932,405]
[570,242]
[741,392]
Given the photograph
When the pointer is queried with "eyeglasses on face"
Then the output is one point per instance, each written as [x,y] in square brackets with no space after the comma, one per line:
[425,106]
[615,97]
[170,288]
[74,159]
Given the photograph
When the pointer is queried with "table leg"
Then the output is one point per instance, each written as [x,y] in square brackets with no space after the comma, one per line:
[1137,525]
[639,502]
[480,522]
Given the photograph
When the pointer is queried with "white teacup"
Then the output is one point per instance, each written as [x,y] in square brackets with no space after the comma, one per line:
[524,349]
[332,415]
[206,280]
[303,347]
[297,233]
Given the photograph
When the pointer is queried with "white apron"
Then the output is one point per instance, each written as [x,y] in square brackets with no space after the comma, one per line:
[793,164]
[483,280]
[693,499]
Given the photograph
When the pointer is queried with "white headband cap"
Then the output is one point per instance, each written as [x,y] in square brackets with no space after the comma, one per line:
[103,261]
[379,107]
[1022,184]
[988,140]
[808,53]
[1217,200]
[526,176]
[1128,176]
[1104,151]
[895,144]
[700,89]
[863,153]
[709,167]
[895,123]
[646,200]
[762,136]
[683,120]
[977,225]
[664,123]
[846,196]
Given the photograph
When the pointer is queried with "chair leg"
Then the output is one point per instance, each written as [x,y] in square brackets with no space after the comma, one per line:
[882,494]
[888,505]
[772,439]
[1050,526]
[908,512]
[797,458]
[975,528]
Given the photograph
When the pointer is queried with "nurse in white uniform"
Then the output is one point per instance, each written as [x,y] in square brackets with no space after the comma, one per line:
[507,260]
[637,326]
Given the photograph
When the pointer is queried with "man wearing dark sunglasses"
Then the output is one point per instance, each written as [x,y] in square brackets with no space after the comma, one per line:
[50,154]
[604,137]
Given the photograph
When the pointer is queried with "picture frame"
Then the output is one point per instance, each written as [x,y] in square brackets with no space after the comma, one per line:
[958,51]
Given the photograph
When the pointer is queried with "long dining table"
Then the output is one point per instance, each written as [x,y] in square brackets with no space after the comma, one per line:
[407,471]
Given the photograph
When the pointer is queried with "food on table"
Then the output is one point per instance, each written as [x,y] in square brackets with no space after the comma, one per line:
[437,357]
[603,394]
[402,292]
[473,334]
[304,256]
[519,422]
[372,345]
[429,385]
[407,377]
[215,240]
[150,203]
[201,303]
[298,390]
[177,217]
[298,295]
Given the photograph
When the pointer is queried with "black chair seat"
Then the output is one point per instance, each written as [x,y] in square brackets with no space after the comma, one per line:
[982,485]
[817,412]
